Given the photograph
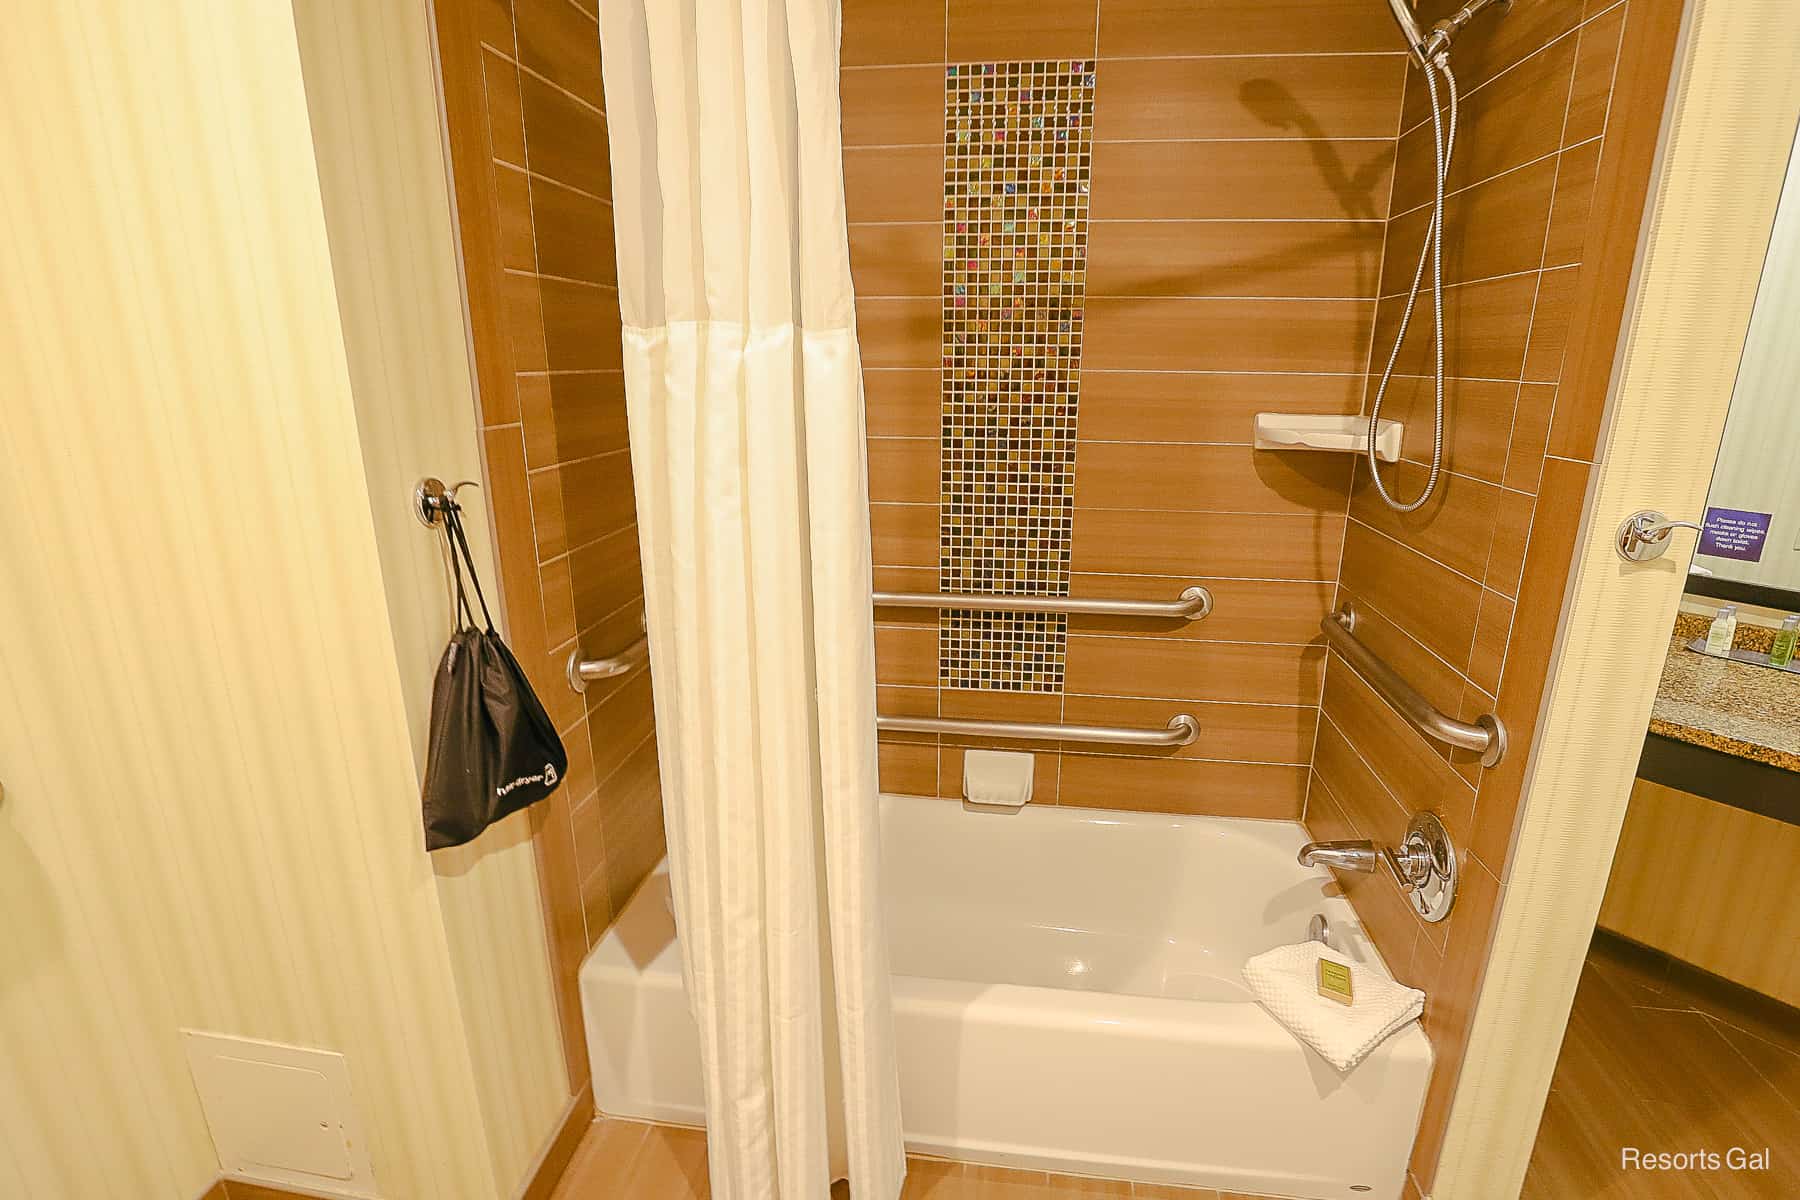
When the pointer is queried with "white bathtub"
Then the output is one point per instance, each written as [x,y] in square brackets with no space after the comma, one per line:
[1067,997]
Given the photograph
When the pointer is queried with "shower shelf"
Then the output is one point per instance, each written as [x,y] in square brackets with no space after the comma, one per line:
[1308,431]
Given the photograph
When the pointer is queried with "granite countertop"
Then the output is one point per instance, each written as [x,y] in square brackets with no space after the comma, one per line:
[1728,706]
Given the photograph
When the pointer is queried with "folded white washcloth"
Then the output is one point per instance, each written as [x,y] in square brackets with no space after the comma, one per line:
[1286,980]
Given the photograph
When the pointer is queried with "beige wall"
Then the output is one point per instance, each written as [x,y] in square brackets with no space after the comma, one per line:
[210,691]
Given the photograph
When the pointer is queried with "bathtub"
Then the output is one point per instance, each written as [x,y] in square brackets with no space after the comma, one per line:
[1067,998]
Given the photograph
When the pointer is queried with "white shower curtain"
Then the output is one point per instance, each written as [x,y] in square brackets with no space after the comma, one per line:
[744,389]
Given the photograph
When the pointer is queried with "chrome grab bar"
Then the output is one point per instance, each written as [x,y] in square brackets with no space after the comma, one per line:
[1195,602]
[1486,736]
[582,672]
[1181,730]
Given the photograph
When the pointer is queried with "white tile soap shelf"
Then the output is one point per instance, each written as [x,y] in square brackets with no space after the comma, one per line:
[1346,435]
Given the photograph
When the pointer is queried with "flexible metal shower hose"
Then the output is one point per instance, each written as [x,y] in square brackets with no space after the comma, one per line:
[1443,141]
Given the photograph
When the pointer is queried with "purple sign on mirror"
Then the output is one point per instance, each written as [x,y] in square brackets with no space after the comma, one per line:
[1734,533]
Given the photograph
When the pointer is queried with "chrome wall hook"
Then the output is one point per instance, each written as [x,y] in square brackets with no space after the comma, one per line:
[431,499]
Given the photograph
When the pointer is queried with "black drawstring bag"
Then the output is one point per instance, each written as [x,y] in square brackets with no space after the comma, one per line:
[493,748]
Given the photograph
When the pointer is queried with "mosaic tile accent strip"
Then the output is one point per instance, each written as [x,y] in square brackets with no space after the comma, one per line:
[1018,142]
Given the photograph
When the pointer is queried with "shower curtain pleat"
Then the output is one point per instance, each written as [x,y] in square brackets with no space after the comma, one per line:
[744,395]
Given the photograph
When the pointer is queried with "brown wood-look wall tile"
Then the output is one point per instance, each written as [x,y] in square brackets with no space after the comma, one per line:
[899,700]
[1550,324]
[1173,406]
[1248,673]
[1145,28]
[559,601]
[1512,526]
[1595,56]
[1184,786]
[994,30]
[1455,526]
[1492,628]
[506,122]
[631,820]
[893,106]
[892,31]
[1530,432]
[899,259]
[1186,476]
[907,332]
[1118,541]
[1490,45]
[619,723]
[1475,437]
[596,904]
[1264,733]
[554,838]
[1322,259]
[590,840]
[1430,601]
[902,402]
[1227,335]
[1491,321]
[1513,120]
[907,768]
[1493,228]
[894,183]
[574,231]
[597,497]
[1244,610]
[524,316]
[572,415]
[605,574]
[1575,175]
[582,328]
[518,250]
[561,43]
[1268,180]
[906,655]
[905,535]
[904,470]
[1252,96]
[494,24]
[564,138]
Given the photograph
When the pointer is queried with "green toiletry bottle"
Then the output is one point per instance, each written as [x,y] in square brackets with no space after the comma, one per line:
[1782,652]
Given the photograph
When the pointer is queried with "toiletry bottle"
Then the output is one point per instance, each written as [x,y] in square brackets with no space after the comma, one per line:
[1782,652]
[1723,632]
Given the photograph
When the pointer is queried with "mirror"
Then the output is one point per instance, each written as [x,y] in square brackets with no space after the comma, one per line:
[1750,548]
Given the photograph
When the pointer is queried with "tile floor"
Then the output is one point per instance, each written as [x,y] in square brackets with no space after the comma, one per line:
[1662,1057]
[1656,1056]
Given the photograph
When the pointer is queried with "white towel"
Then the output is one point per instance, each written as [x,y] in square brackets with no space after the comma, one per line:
[1286,980]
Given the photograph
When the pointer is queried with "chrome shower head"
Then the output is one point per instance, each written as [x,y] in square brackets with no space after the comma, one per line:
[1425,44]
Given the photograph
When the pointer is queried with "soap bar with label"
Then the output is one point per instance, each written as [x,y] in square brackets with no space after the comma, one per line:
[1334,981]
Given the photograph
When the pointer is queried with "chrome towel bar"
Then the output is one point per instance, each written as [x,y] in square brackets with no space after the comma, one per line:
[1194,602]
[582,672]
[1181,730]
[1486,736]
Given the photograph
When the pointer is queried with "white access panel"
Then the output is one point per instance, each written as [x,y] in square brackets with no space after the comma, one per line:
[281,1114]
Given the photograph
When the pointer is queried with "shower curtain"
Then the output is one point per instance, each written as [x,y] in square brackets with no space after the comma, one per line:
[744,395]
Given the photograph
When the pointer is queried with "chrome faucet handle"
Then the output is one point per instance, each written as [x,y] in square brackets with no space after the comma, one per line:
[1423,864]
[1644,535]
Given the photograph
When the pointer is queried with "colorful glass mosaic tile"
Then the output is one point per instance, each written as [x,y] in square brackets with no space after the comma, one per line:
[1018,141]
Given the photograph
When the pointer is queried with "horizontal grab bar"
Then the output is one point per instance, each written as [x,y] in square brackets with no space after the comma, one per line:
[1486,736]
[1195,602]
[582,672]
[1181,730]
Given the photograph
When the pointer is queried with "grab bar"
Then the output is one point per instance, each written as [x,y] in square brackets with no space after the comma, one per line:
[582,672]
[1195,602]
[1181,730]
[1486,736]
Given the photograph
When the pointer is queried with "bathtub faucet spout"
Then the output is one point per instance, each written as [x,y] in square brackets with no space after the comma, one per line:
[1346,856]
